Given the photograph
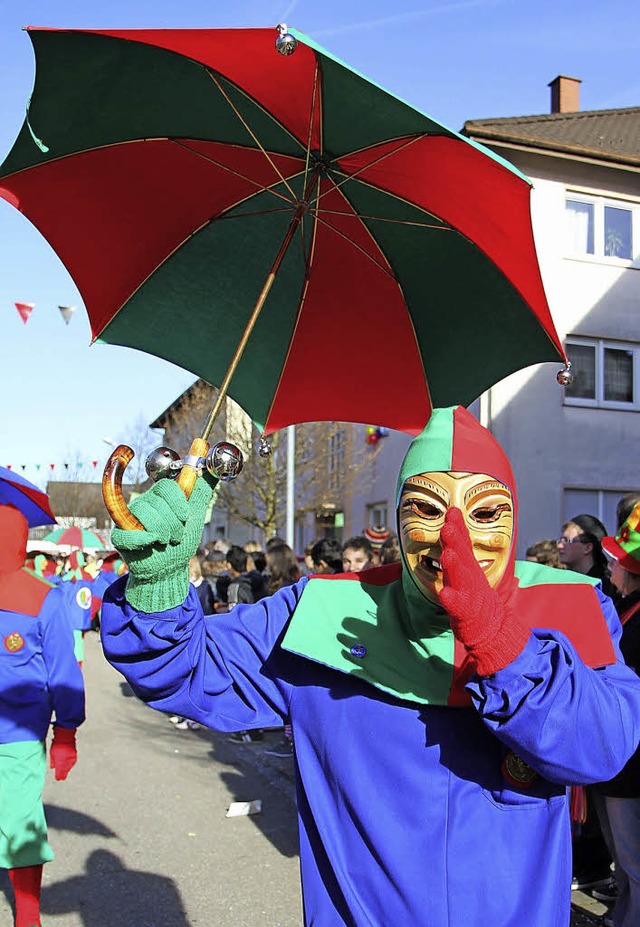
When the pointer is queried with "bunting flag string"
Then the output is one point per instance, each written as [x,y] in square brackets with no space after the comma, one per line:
[55,466]
[25,310]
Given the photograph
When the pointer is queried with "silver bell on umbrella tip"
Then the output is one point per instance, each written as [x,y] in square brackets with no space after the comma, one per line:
[564,376]
[163,463]
[286,43]
[224,461]
[264,448]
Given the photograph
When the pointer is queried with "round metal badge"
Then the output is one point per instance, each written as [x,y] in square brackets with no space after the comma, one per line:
[14,642]
[517,772]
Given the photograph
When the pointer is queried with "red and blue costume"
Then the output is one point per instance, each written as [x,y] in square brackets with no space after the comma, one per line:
[40,681]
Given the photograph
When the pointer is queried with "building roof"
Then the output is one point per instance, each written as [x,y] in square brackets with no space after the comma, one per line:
[604,135]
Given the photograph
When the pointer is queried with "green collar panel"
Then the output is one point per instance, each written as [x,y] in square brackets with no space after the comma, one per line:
[376,626]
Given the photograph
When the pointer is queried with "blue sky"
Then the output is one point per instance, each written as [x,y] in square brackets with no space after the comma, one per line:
[454,59]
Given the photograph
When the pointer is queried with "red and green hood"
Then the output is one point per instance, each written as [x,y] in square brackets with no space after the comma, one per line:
[377,625]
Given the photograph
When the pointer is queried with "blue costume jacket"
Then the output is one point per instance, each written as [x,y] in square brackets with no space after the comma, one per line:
[39,676]
[405,814]
[427,796]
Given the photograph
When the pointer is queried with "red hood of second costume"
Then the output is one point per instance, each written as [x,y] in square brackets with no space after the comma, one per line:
[20,591]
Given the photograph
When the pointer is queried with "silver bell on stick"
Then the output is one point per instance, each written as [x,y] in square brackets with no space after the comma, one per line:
[163,463]
[224,461]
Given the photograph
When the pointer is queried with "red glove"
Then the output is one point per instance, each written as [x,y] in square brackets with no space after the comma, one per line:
[63,755]
[492,635]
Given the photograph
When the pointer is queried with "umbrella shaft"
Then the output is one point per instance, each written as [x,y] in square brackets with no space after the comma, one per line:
[257,309]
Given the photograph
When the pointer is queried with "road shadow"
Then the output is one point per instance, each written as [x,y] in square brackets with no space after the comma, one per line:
[257,776]
[277,820]
[109,893]
[77,822]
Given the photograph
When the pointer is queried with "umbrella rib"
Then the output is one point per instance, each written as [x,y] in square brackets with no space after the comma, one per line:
[311,114]
[407,141]
[250,131]
[178,246]
[441,226]
[387,270]
[260,187]
[243,215]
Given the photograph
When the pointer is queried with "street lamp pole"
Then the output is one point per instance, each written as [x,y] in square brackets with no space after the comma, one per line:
[291,475]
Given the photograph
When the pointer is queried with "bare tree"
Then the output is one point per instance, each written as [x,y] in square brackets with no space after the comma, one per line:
[142,441]
[323,478]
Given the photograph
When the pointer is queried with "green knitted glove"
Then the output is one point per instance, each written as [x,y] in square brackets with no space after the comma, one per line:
[158,557]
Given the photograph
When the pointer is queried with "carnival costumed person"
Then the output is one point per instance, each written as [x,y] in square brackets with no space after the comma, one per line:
[39,680]
[440,706]
[83,600]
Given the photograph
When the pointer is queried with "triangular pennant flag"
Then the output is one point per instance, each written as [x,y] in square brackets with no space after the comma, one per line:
[25,310]
[66,312]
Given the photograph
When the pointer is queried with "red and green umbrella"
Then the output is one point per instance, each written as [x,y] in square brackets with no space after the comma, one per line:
[74,536]
[278,225]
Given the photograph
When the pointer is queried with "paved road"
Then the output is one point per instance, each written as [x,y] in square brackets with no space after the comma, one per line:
[140,832]
[139,827]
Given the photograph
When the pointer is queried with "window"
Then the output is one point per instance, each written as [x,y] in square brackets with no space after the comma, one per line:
[605,229]
[605,373]
[377,515]
[599,502]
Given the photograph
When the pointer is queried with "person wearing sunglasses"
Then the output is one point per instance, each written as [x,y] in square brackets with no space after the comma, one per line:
[618,801]
[580,550]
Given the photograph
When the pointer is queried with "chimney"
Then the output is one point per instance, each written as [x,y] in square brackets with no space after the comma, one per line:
[565,94]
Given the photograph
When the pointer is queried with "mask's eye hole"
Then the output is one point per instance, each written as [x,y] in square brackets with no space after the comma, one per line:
[422,508]
[489,513]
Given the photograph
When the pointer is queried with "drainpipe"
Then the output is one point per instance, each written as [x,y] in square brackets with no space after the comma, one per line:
[485,410]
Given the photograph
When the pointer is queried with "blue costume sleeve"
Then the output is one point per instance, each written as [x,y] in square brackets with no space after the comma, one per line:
[209,669]
[572,724]
[64,676]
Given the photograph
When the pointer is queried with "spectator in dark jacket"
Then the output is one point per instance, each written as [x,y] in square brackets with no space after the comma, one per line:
[618,801]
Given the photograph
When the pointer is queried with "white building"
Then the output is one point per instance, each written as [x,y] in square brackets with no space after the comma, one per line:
[576,450]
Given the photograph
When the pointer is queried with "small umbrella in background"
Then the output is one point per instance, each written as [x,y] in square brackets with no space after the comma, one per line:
[81,538]
[32,502]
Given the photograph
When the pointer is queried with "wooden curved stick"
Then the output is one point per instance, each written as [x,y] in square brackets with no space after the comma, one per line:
[112,489]
[114,473]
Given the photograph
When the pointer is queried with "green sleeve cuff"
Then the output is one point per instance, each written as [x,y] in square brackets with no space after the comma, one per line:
[158,594]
